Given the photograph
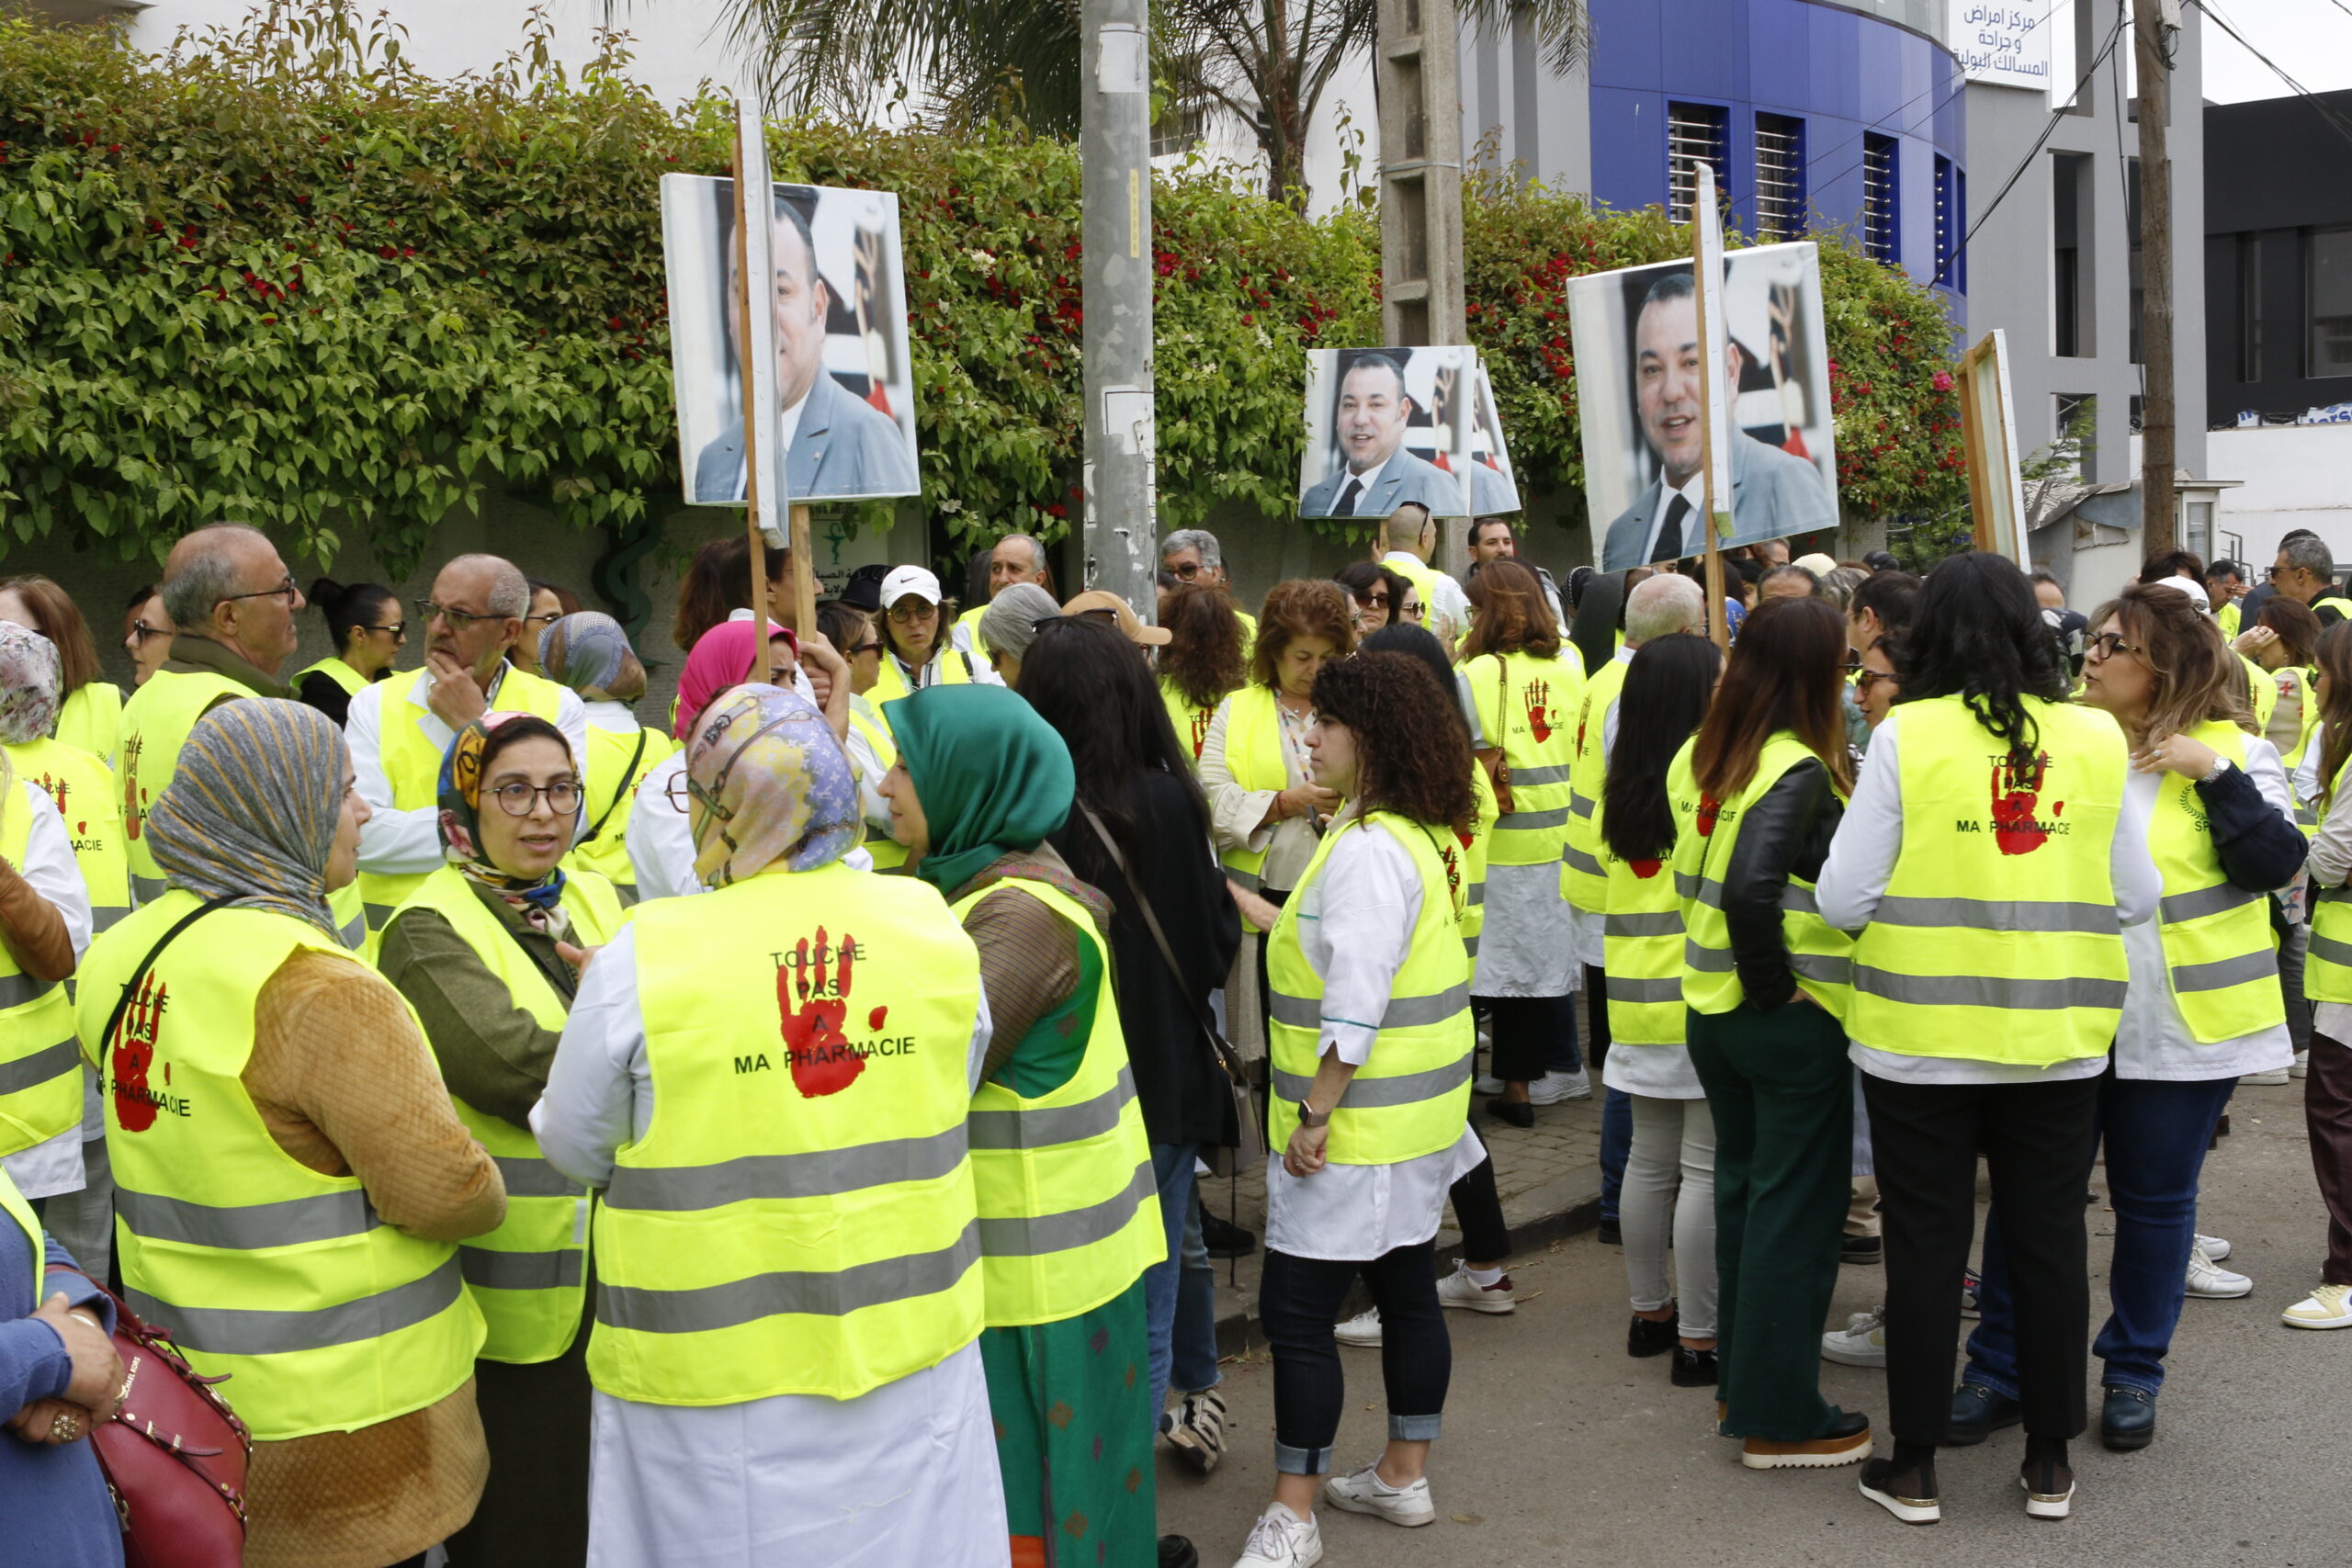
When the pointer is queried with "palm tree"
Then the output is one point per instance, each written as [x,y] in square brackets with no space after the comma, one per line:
[1266,63]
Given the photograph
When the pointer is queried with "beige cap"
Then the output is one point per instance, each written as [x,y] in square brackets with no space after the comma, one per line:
[1099,599]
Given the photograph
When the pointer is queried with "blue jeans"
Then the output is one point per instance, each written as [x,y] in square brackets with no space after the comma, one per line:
[1616,1144]
[1180,1290]
[2155,1136]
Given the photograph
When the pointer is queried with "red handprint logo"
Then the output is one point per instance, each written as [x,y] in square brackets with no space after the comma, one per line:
[1539,712]
[810,1004]
[1202,719]
[134,1053]
[1645,869]
[1708,809]
[2016,793]
[134,808]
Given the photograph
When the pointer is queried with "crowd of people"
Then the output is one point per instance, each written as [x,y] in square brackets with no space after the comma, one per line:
[774,1132]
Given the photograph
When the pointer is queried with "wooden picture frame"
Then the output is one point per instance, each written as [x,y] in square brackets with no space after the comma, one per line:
[1989,428]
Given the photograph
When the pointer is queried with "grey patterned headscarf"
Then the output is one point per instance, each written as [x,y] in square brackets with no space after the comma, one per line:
[250,813]
[30,691]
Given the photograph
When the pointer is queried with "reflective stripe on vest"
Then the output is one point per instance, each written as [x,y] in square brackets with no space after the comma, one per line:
[1254,757]
[527,1275]
[1412,1097]
[1993,909]
[2216,939]
[1473,859]
[40,1071]
[411,763]
[1526,706]
[1584,881]
[1707,833]
[155,724]
[800,1218]
[263,1269]
[89,802]
[1068,1205]
[1642,939]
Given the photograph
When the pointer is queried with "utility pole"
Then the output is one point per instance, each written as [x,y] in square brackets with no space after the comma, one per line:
[2154,25]
[1417,82]
[1121,533]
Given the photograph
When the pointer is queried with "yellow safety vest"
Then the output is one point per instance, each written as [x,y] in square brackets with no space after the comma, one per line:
[352,682]
[1253,755]
[1413,1097]
[1998,939]
[2336,602]
[2306,811]
[1524,705]
[888,853]
[1642,937]
[156,723]
[412,764]
[91,719]
[2327,969]
[529,1275]
[265,1269]
[82,789]
[2261,692]
[1424,580]
[1191,723]
[1069,1209]
[800,1217]
[1248,633]
[41,1075]
[955,666]
[2219,955]
[612,781]
[1473,862]
[1707,833]
[1584,882]
[970,621]
[2229,618]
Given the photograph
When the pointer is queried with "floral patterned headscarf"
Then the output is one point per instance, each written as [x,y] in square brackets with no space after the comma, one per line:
[30,686]
[772,783]
[537,899]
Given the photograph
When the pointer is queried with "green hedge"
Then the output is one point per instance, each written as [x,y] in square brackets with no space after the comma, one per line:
[282,279]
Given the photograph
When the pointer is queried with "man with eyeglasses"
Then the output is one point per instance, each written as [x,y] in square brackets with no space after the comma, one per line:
[1194,559]
[2305,572]
[400,727]
[1017,558]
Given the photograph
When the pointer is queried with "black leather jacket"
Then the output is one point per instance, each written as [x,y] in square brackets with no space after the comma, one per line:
[1784,833]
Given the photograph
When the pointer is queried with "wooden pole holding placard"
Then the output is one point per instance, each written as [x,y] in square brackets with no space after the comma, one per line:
[804,582]
[754,352]
[1704,280]
[751,295]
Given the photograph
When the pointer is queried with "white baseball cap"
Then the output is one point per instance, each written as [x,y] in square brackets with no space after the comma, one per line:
[906,580]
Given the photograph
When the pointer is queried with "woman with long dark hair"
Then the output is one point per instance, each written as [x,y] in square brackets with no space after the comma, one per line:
[1378,592]
[91,719]
[1134,777]
[2204,1004]
[1756,795]
[364,622]
[1668,688]
[1206,659]
[1990,860]
[2327,981]
[1369,1118]
[1526,693]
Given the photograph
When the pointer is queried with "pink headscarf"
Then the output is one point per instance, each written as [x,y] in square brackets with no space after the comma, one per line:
[721,657]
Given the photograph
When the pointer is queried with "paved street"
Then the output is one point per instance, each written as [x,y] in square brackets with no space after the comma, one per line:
[1559,1450]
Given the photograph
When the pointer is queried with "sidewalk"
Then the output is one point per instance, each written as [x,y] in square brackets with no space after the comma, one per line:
[1549,1179]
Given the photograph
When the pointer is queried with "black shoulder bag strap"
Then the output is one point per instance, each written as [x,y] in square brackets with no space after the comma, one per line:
[620,794]
[123,1003]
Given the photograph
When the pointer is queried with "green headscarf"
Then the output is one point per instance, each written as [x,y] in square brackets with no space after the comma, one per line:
[994,778]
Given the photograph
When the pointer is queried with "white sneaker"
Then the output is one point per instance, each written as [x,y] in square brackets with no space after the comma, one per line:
[2303,1068]
[1554,1087]
[1282,1539]
[1363,1492]
[2330,1306]
[2271,1079]
[2216,1250]
[1488,1084]
[1861,1343]
[1458,1290]
[2211,1281]
[1361,1329]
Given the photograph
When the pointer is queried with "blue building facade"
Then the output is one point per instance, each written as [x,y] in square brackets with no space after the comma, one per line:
[1816,115]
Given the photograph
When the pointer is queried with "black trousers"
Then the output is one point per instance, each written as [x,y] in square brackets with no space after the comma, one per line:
[1525,1029]
[1299,1301]
[2038,1141]
[1478,1211]
[1596,1007]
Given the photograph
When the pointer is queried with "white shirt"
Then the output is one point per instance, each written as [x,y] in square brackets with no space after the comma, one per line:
[787,425]
[613,718]
[1453,607]
[1355,925]
[1237,816]
[1693,491]
[397,842]
[1861,862]
[2307,771]
[870,772]
[50,869]
[1365,480]
[2151,1039]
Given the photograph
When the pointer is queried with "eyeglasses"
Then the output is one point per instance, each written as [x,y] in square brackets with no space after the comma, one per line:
[1415,610]
[678,791]
[286,590]
[1853,663]
[1188,571]
[460,620]
[140,631]
[519,799]
[549,618]
[862,648]
[1869,678]
[1374,600]
[903,615]
[2106,645]
[1108,616]
[397,628]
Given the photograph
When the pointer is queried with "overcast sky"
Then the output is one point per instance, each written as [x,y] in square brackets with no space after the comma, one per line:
[2312,38]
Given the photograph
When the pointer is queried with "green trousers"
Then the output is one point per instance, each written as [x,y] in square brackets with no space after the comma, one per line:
[1781,1093]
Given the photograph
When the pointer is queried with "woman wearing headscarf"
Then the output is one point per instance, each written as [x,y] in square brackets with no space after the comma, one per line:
[788,1275]
[660,838]
[291,1182]
[485,950]
[81,1216]
[1069,1213]
[90,713]
[591,654]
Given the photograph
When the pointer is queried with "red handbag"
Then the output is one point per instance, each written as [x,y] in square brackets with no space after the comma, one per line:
[173,1455]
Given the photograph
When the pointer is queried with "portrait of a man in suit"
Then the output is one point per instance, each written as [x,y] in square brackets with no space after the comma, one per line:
[833,443]
[1774,493]
[1376,475]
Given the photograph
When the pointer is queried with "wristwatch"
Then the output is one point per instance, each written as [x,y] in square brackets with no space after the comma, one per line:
[1310,1117]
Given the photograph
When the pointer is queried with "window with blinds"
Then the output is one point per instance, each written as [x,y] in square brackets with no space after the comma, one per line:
[1952,225]
[1695,134]
[1780,176]
[1879,231]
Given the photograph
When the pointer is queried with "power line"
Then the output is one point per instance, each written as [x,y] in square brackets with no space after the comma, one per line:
[2335,120]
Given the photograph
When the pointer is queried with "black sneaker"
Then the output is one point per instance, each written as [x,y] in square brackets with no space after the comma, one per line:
[1611,1233]
[1862,1249]
[1176,1551]
[1224,1238]
[1516,1113]
[1910,1496]
[1692,1369]
[1977,1411]
[1644,1338]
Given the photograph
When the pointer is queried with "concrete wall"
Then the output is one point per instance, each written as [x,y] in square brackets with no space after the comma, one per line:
[2294,478]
